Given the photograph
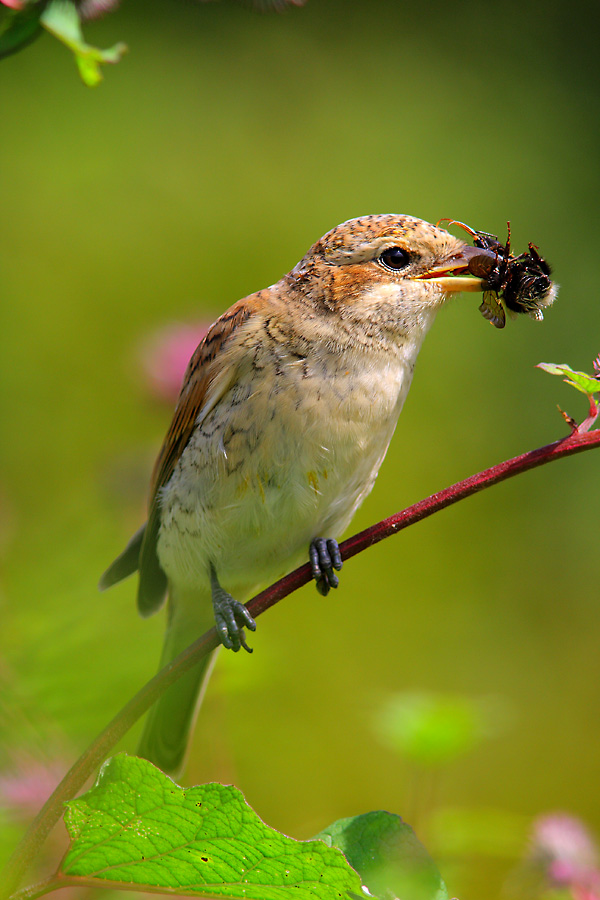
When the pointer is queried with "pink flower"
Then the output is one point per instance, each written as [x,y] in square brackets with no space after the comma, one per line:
[165,355]
[565,850]
[27,787]
[93,9]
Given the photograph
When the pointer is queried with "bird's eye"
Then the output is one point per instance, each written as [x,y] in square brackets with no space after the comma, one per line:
[394,258]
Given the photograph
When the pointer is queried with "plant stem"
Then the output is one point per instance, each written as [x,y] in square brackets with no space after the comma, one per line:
[576,442]
[38,890]
[59,882]
[95,754]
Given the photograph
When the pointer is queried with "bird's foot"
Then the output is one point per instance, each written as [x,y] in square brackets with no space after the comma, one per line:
[324,557]
[231,617]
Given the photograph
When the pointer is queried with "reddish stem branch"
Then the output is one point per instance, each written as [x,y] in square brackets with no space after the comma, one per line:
[576,442]
[592,415]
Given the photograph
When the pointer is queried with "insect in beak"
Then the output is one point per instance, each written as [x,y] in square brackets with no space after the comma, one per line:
[449,276]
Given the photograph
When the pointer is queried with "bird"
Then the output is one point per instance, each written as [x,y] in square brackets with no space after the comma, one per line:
[285,415]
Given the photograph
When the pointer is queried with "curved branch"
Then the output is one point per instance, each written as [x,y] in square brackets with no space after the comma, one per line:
[576,442]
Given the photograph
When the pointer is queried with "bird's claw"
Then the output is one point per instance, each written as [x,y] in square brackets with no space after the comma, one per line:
[231,617]
[324,557]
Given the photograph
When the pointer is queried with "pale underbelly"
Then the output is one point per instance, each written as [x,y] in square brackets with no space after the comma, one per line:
[253,490]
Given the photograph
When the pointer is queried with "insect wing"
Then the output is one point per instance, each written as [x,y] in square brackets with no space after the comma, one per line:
[492,310]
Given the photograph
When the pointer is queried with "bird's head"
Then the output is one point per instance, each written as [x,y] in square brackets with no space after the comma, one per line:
[385,272]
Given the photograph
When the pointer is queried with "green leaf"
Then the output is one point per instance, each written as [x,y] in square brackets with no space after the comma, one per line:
[587,384]
[387,855]
[62,20]
[137,826]
[19,27]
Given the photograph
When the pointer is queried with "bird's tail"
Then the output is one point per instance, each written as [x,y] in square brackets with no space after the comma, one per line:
[169,722]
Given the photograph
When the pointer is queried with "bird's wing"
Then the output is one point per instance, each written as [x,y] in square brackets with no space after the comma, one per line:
[208,378]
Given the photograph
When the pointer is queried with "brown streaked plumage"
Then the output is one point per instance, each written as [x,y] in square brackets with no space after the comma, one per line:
[286,411]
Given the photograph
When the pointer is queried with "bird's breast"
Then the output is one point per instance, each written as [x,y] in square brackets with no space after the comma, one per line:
[287,455]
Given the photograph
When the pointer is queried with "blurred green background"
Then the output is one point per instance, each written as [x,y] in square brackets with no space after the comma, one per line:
[211,157]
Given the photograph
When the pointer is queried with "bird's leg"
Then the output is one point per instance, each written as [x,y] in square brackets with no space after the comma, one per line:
[324,557]
[231,616]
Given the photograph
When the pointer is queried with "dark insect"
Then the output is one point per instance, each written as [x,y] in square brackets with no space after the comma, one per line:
[521,282]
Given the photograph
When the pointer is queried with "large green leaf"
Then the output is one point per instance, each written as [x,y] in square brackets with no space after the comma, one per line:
[138,827]
[387,855]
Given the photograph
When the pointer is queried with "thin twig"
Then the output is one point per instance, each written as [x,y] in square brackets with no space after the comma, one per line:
[567,446]
[39,829]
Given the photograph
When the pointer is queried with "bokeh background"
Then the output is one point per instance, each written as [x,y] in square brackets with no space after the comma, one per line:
[201,169]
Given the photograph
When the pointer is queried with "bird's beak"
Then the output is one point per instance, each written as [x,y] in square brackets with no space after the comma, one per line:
[452,275]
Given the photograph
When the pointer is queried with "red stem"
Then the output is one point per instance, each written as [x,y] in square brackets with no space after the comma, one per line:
[576,442]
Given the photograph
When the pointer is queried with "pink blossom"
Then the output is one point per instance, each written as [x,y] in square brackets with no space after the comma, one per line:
[27,787]
[165,355]
[564,849]
[93,9]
